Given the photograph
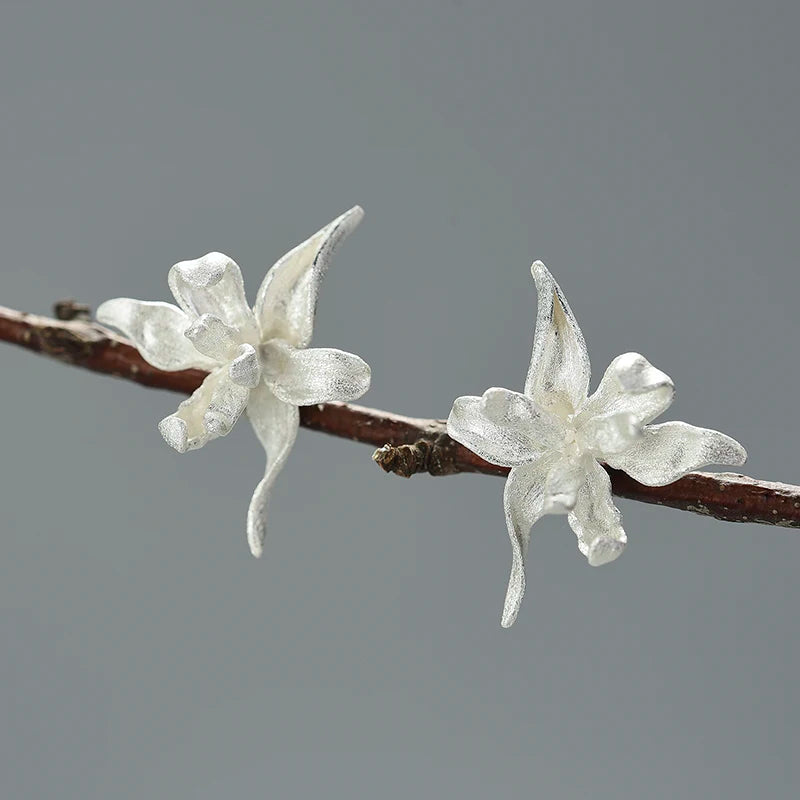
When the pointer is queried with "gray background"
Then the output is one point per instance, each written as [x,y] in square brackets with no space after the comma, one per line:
[648,152]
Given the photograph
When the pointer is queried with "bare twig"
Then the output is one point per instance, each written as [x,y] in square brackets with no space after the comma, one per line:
[407,446]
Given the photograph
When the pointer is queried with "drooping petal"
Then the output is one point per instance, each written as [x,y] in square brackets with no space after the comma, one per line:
[317,375]
[503,427]
[630,384]
[559,372]
[610,433]
[209,413]
[245,369]
[287,300]
[156,330]
[596,520]
[563,482]
[212,337]
[213,285]
[275,424]
[523,502]
[665,452]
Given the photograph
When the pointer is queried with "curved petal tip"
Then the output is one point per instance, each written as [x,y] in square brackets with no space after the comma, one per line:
[604,550]
[256,547]
[175,433]
[539,270]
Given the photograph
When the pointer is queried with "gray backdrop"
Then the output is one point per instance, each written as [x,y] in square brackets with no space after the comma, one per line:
[648,152]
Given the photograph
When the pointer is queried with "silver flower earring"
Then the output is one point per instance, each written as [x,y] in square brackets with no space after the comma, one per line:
[258,358]
[554,436]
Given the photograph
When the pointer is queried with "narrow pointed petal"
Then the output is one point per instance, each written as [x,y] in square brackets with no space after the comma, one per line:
[156,330]
[213,338]
[562,485]
[287,300]
[503,427]
[275,424]
[523,502]
[596,520]
[316,375]
[666,452]
[209,413]
[631,384]
[213,285]
[559,372]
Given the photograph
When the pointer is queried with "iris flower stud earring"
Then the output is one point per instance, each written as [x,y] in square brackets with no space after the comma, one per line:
[554,436]
[258,359]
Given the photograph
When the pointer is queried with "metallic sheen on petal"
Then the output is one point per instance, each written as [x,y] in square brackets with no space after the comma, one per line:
[156,330]
[596,520]
[523,502]
[275,424]
[668,451]
[245,369]
[505,408]
[287,300]
[610,433]
[213,285]
[559,371]
[562,485]
[503,427]
[631,384]
[208,414]
[316,375]
[213,338]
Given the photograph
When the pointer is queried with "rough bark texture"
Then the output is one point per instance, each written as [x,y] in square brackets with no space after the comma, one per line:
[406,446]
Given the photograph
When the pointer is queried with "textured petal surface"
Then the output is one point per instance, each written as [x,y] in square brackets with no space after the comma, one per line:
[610,433]
[596,520]
[523,501]
[213,285]
[503,427]
[209,413]
[213,338]
[559,372]
[287,300]
[275,424]
[245,369]
[666,452]
[316,375]
[631,384]
[157,332]
[562,485]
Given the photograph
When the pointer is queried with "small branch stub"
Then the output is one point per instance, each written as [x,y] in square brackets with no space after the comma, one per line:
[434,457]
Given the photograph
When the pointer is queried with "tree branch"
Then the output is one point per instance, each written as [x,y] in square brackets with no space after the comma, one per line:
[407,446]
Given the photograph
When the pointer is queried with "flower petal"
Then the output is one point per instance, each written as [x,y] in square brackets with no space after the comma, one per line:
[275,424]
[317,375]
[631,384]
[208,414]
[287,300]
[156,330]
[596,520]
[523,500]
[213,285]
[666,452]
[503,427]
[562,485]
[558,376]
[245,369]
[213,338]
[610,433]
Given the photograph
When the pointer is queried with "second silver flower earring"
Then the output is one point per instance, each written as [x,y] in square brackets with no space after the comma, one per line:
[554,436]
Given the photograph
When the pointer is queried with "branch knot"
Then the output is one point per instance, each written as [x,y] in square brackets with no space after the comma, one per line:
[433,456]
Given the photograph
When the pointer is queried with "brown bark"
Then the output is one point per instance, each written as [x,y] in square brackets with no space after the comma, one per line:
[406,446]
